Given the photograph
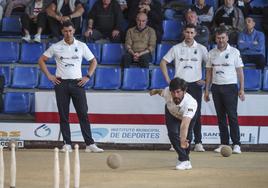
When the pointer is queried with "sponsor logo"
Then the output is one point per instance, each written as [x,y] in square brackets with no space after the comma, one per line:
[97,133]
[42,131]
[9,134]
[5,143]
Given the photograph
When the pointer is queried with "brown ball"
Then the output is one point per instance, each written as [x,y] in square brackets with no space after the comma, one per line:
[226,151]
[114,161]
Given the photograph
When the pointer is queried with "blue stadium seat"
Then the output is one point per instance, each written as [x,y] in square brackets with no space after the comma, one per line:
[259,3]
[11,25]
[25,77]
[157,78]
[253,78]
[89,5]
[213,3]
[5,71]
[162,49]
[96,50]
[265,80]
[108,78]
[17,102]
[172,30]
[135,79]
[90,83]
[44,82]
[9,52]
[30,52]
[112,53]
[258,21]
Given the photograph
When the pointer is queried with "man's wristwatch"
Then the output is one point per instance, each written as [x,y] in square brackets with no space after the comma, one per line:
[88,76]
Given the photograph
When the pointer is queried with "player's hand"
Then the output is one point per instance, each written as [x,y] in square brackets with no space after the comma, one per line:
[201,82]
[206,96]
[241,95]
[54,79]
[83,81]
[184,143]
[153,92]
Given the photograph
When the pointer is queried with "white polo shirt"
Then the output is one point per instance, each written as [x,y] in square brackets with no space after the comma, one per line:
[224,64]
[69,58]
[188,60]
[186,108]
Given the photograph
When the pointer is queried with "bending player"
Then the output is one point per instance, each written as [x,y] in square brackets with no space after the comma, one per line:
[180,114]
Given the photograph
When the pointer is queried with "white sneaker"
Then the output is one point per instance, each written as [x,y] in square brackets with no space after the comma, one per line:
[237,149]
[171,148]
[218,150]
[37,38]
[66,147]
[199,148]
[184,165]
[26,38]
[93,148]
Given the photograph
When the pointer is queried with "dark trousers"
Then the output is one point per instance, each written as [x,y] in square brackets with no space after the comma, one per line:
[195,90]
[225,99]
[55,26]
[65,91]
[97,35]
[257,59]
[31,26]
[173,127]
[143,62]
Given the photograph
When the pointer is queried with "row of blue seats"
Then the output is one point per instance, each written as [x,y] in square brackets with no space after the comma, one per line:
[29,53]
[106,54]
[113,78]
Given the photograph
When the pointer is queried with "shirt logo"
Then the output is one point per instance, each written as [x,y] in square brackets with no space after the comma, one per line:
[187,67]
[190,110]
[226,56]
[219,72]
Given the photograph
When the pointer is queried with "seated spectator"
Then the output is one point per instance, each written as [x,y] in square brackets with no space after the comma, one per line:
[105,21]
[176,9]
[13,4]
[2,84]
[34,19]
[60,11]
[202,32]
[205,12]
[140,43]
[251,44]
[2,8]
[231,17]
[154,13]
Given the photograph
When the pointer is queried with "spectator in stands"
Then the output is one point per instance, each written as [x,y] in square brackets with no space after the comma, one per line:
[2,85]
[140,43]
[180,113]
[105,21]
[231,17]
[223,69]
[205,12]
[2,8]
[189,57]
[60,11]
[202,32]
[13,4]
[154,13]
[251,44]
[69,83]
[244,6]
[33,19]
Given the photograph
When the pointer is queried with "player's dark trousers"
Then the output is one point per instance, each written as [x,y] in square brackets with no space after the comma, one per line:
[144,60]
[173,127]
[65,91]
[225,99]
[195,90]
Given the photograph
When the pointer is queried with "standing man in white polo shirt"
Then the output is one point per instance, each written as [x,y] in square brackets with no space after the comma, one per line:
[189,56]
[69,83]
[180,112]
[224,68]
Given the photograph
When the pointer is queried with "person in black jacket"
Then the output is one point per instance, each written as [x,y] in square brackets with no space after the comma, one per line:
[105,21]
